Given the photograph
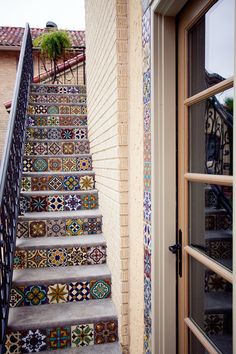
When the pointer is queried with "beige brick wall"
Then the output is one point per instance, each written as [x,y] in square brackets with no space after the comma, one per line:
[8,66]
[106,43]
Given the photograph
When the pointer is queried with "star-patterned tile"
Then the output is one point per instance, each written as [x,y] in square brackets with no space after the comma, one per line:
[57,293]
[34,340]
[37,228]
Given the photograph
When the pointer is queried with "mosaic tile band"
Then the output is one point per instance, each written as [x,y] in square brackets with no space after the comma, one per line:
[77,335]
[57,133]
[38,294]
[44,203]
[58,148]
[57,164]
[58,183]
[59,227]
[59,257]
[58,89]
[56,121]
[45,98]
[57,109]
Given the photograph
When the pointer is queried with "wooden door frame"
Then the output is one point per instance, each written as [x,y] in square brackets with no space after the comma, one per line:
[163,80]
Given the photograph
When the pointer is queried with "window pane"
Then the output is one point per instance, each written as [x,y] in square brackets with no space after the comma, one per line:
[195,346]
[210,305]
[211,135]
[210,221]
[211,47]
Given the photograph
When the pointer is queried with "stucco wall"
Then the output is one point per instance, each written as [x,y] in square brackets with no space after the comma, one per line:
[106,53]
[8,66]
[136,268]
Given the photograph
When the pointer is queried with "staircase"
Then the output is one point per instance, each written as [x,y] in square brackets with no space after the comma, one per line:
[61,290]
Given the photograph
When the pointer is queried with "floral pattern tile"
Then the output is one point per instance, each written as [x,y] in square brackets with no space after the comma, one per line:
[105,332]
[37,259]
[58,338]
[100,289]
[57,257]
[82,335]
[96,255]
[56,228]
[34,340]
[76,256]
[35,295]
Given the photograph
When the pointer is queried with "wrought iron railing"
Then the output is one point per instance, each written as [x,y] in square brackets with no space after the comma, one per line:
[70,69]
[10,177]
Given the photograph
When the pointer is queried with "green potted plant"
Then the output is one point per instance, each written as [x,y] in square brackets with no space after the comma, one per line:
[52,45]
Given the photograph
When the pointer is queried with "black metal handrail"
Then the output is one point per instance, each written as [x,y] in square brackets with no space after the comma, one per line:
[10,177]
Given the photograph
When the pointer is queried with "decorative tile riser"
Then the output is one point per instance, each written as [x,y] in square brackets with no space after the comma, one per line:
[57,133]
[59,164]
[215,283]
[41,294]
[211,200]
[58,89]
[53,109]
[217,324]
[77,335]
[58,183]
[42,121]
[44,98]
[59,227]
[218,221]
[44,203]
[59,257]
[219,249]
[56,148]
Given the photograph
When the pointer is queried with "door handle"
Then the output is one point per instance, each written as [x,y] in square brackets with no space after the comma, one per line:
[177,249]
[174,248]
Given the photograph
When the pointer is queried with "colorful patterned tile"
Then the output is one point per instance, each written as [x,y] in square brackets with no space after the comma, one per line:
[147,206]
[96,255]
[55,164]
[147,147]
[58,338]
[37,228]
[22,229]
[68,148]
[24,205]
[76,256]
[35,295]
[81,133]
[82,335]
[54,148]
[147,296]
[39,183]
[147,87]
[40,148]
[69,164]
[214,324]
[72,202]
[17,296]
[84,163]
[40,164]
[78,292]
[147,262]
[56,203]
[89,201]
[37,259]
[34,340]
[51,121]
[38,204]
[13,343]
[57,293]
[56,228]
[20,259]
[25,184]
[105,332]
[67,134]
[55,183]
[66,121]
[29,149]
[86,182]
[52,109]
[71,183]
[82,147]
[27,165]
[64,109]
[57,257]
[92,226]
[54,134]
[74,227]
[100,289]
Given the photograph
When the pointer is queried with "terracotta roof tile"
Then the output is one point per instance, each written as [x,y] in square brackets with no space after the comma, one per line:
[12,36]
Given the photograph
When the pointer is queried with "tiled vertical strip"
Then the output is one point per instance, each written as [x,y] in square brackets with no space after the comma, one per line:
[147,204]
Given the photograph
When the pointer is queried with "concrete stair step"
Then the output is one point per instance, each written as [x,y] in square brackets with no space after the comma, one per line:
[57,201]
[63,314]
[57,148]
[59,192]
[41,286]
[59,252]
[62,215]
[69,274]
[113,348]
[62,163]
[76,325]
[58,182]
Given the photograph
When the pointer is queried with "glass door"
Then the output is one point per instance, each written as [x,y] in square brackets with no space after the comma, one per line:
[205,176]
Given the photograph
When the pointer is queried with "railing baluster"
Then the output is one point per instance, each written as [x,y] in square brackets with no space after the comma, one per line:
[10,177]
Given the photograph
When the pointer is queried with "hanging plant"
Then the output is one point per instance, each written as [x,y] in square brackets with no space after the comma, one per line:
[52,45]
